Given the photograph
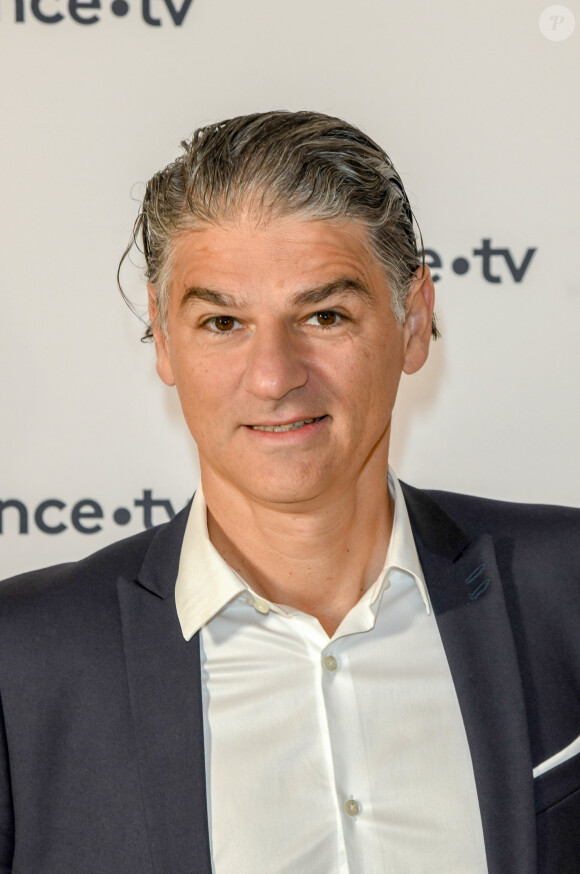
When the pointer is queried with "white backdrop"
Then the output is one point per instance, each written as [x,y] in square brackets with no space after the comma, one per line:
[479,111]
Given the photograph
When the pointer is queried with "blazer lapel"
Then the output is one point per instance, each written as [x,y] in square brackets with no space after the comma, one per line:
[163,672]
[467,596]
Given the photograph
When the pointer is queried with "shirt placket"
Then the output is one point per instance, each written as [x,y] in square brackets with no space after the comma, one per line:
[323,662]
[343,745]
[346,737]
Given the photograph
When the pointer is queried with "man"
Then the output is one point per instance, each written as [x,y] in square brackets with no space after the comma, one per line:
[314,668]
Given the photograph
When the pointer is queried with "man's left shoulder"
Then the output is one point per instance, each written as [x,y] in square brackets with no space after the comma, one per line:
[537,548]
[537,525]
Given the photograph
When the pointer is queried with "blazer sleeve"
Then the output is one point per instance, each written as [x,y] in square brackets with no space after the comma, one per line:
[6,808]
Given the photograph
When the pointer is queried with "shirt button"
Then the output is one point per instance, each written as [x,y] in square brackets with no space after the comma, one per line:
[330,663]
[261,607]
[352,807]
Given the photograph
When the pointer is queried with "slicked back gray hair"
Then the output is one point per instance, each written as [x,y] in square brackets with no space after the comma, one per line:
[276,164]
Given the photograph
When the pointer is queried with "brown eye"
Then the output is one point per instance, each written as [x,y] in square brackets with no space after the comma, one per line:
[224,323]
[327,317]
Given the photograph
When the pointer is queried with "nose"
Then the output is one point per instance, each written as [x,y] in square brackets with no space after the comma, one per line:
[276,364]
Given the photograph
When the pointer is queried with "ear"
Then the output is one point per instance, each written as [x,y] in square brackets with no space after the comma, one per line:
[164,368]
[418,321]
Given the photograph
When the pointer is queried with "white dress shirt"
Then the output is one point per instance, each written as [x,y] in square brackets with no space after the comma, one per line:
[329,755]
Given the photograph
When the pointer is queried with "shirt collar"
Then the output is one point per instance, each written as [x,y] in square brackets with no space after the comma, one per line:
[206,583]
[402,553]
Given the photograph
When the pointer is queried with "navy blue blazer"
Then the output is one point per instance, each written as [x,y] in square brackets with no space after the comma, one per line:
[101,728]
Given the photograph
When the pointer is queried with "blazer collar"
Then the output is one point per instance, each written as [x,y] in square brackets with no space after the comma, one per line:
[161,564]
[467,596]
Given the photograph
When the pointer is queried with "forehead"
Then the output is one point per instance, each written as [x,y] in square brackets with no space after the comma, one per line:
[281,253]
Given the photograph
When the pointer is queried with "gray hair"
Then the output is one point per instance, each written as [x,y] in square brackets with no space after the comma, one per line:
[276,164]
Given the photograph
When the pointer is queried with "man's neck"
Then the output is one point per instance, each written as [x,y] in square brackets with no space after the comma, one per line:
[317,558]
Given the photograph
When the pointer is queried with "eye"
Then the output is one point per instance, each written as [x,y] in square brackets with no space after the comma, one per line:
[221,324]
[325,319]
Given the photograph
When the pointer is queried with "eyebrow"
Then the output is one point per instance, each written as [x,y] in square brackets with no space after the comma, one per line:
[345,285]
[218,298]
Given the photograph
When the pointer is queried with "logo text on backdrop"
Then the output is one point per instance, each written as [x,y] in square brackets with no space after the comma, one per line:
[53,516]
[496,262]
[152,12]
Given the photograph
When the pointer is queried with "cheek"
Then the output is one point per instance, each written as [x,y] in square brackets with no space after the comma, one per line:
[381,363]
[205,391]
[378,380]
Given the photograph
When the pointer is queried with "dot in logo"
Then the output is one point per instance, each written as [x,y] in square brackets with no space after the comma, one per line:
[460,266]
[120,8]
[557,23]
[121,515]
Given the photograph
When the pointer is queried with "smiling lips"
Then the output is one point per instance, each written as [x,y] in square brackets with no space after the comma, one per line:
[291,426]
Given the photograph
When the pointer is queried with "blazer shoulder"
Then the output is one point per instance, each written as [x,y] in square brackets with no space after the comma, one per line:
[521,521]
[537,547]
[72,594]
[67,608]
[87,587]
[122,557]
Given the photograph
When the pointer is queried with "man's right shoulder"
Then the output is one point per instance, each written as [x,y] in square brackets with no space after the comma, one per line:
[104,567]
[67,613]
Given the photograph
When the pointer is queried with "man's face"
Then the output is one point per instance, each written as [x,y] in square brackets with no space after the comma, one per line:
[286,355]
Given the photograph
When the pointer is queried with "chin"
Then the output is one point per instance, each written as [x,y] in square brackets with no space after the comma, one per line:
[283,492]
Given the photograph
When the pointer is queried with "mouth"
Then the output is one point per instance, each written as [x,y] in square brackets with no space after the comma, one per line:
[290,426]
